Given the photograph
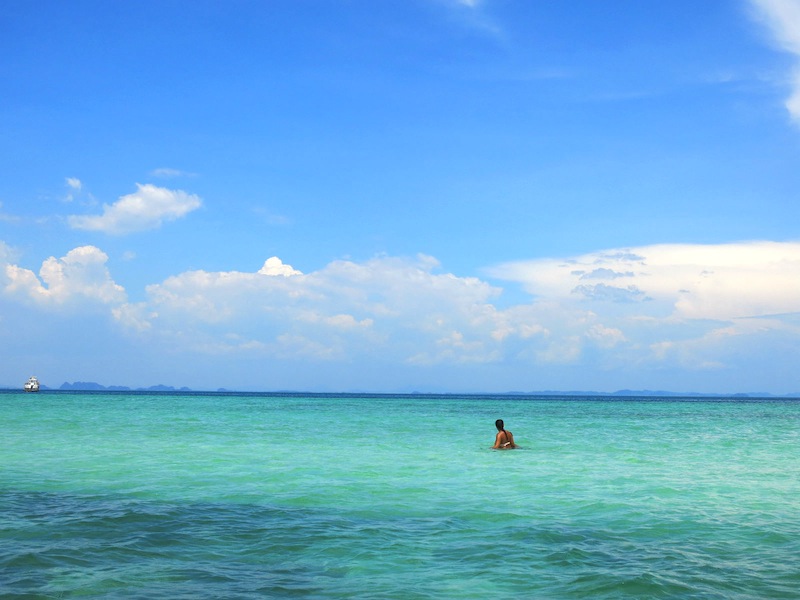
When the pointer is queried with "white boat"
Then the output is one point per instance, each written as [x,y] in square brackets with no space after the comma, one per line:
[32,385]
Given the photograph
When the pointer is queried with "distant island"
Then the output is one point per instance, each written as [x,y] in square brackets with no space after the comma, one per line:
[91,386]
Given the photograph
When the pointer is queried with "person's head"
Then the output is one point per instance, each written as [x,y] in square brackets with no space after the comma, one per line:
[499,424]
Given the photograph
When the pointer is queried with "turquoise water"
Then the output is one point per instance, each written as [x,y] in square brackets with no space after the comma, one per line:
[252,496]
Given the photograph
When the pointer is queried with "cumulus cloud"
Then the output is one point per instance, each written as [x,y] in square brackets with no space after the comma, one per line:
[7,254]
[691,307]
[79,277]
[723,282]
[607,337]
[612,293]
[679,302]
[389,305]
[274,266]
[614,307]
[134,317]
[147,208]
[782,17]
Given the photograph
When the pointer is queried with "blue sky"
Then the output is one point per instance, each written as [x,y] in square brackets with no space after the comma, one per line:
[431,195]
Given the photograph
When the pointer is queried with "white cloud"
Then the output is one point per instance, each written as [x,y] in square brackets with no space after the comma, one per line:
[275,267]
[388,305]
[75,185]
[723,282]
[680,303]
[134,317]
[689,308]
[147,208]
[793,102]
[7,254]
[606,337]
[80,277]
[782,17]
[616,307]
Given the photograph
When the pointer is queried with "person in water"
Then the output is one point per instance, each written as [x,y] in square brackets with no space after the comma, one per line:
[504,440]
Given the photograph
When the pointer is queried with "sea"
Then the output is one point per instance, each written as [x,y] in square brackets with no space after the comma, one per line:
[243,496]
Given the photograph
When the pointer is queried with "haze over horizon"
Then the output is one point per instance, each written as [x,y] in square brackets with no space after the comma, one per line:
[434,196]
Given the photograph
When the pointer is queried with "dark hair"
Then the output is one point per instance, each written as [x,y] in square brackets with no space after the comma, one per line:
[499,425]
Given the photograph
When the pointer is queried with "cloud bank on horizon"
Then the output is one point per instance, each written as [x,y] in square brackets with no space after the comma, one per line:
[687,307]
[423,211]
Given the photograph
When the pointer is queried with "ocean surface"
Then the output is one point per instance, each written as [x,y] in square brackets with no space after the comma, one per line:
[138,495]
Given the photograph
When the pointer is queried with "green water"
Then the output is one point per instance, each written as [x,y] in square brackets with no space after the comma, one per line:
[247,496]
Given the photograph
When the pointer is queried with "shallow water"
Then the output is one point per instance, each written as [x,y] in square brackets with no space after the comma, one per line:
[248,496]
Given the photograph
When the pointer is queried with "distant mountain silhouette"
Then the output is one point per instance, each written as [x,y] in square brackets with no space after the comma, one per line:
[88,386]
[91,386]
